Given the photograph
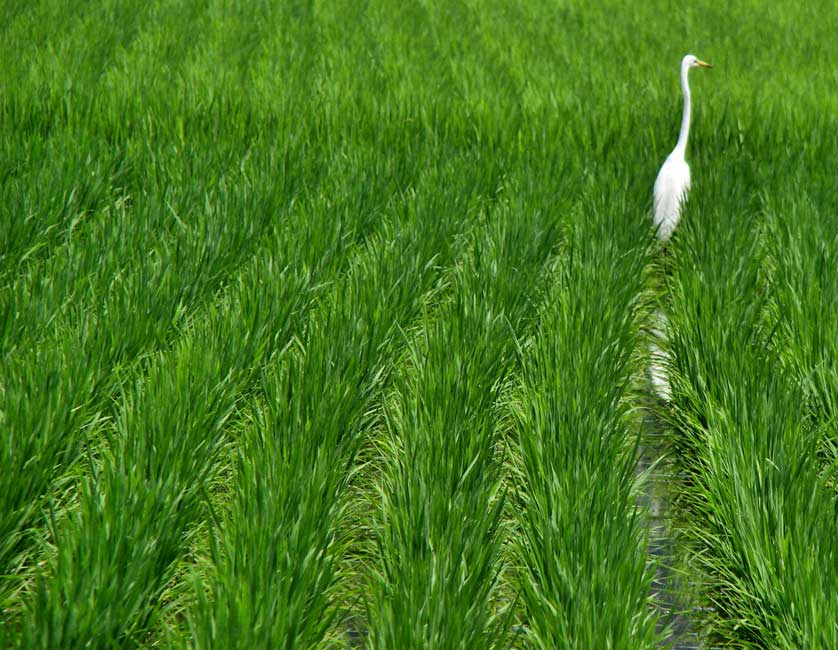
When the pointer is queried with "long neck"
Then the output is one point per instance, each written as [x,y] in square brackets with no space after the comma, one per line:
[685,121]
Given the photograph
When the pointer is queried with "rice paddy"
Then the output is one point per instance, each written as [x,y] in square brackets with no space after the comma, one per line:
[332,325]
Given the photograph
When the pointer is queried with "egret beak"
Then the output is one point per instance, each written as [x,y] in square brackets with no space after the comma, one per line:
[704,64]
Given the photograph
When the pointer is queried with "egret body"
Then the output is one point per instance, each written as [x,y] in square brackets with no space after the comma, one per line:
[673,181]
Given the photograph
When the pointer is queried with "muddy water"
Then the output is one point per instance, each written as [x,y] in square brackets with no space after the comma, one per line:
[671,595]
[659,356]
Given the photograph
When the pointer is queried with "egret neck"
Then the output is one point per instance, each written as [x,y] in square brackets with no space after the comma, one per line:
[681,146]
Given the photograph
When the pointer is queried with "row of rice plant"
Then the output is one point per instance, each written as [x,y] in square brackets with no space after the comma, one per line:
[801,240]
[62,110]
[85,312]
[436,527]
[115,549]
[217,217]
[121,274]
[319,234]
[748,322]
[157,452]
[164,184]
[580,547]
[276,552]
[76,403]
[220,189]
[752,390]
[144,300]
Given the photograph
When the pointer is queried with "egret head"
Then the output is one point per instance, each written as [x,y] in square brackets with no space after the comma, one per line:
[691,61]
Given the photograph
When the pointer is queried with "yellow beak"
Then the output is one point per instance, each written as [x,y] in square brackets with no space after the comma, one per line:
[704,64]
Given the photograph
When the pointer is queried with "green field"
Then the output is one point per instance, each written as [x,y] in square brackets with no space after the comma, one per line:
[327,324]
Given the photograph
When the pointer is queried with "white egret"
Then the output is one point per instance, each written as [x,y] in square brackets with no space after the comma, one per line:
[673,181]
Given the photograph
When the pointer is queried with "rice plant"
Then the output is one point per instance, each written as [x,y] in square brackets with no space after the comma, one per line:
[282,535]
[437,530]
[581,549]
[748,432]
[323,323]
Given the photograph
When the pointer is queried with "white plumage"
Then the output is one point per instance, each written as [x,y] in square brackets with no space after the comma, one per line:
[671,188]
[673,182]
